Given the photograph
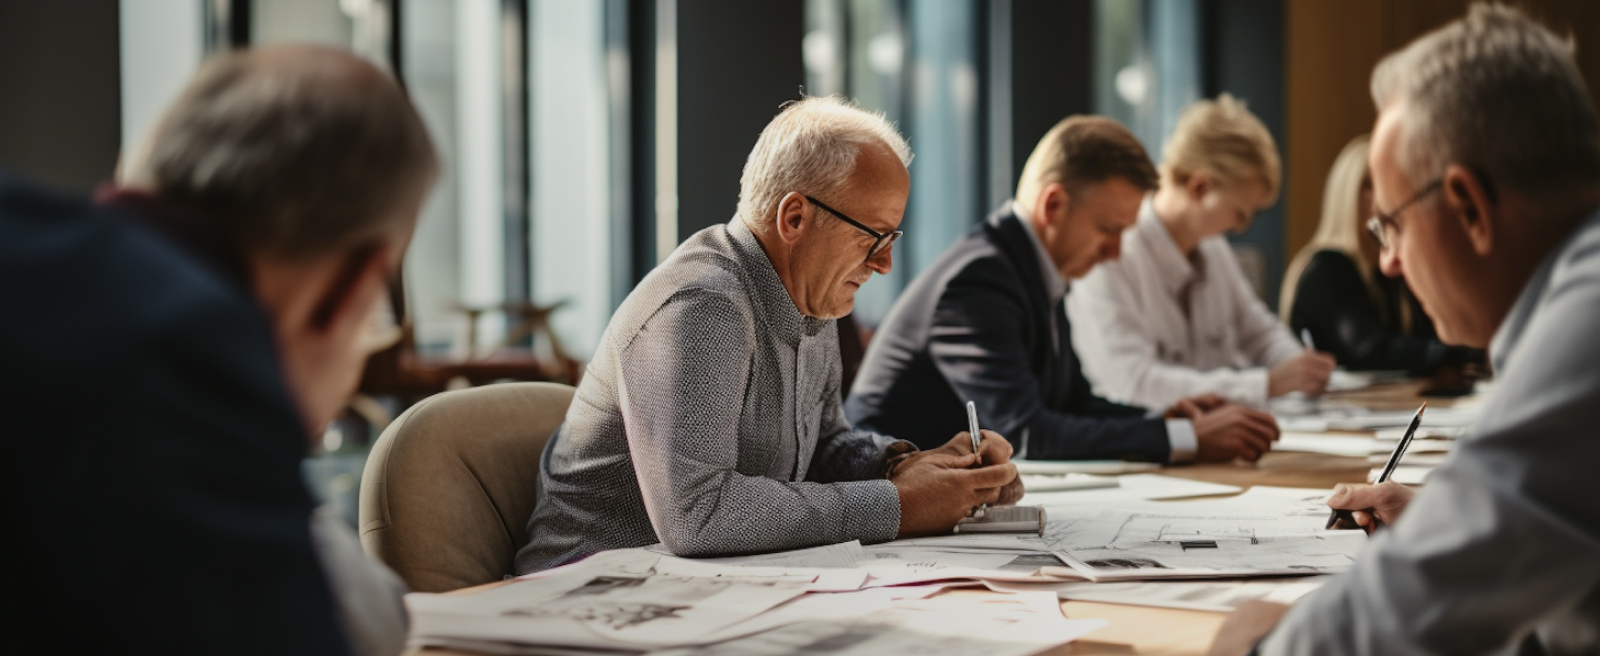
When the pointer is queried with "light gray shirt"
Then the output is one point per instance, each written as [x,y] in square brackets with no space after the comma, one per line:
[1157,326]
[1504,541]
[368,594]
[710,421]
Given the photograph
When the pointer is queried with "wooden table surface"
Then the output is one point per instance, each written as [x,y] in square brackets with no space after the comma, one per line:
[1147,630]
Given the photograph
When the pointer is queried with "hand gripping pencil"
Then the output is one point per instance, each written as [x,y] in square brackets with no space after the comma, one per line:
[1388,468]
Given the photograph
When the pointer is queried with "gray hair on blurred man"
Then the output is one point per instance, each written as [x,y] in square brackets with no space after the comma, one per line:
[217,306]
[1486,173]
[310,165]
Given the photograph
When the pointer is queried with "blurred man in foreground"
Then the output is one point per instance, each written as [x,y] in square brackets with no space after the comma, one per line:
[1486,173]
[169,355]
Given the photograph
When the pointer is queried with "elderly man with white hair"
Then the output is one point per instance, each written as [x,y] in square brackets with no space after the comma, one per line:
[709,419]
[1486,189]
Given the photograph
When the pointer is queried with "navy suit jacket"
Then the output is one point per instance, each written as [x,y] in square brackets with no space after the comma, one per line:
[151,453]
[975,325]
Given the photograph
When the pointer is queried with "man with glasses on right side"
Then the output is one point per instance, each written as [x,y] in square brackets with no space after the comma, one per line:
[1487,154]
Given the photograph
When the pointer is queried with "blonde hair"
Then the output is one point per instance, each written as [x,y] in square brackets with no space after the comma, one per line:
[1084,150]
[1341,225]
[1223,140]
[1341,229]
[810,147]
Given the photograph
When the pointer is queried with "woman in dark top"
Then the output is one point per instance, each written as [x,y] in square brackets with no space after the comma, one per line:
[1334,289]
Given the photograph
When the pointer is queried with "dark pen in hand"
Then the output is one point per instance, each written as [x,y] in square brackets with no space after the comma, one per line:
[1388,468]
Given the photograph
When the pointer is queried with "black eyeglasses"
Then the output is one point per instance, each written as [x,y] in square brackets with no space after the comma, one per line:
[880,241]
[1383,227]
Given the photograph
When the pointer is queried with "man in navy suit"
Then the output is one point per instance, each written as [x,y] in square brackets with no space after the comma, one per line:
[166,356]
[985,322]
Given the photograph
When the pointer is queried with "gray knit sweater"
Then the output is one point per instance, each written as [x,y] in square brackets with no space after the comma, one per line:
[709,421]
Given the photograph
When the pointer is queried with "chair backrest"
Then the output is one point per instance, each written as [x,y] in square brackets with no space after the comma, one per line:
[449,487]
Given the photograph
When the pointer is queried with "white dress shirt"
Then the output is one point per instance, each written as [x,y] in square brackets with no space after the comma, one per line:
[1180,432]
[1503,545]
[1157,326]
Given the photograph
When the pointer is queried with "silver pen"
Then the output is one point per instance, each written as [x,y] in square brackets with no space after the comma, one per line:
[972,428]
[1305,338]
[972,425]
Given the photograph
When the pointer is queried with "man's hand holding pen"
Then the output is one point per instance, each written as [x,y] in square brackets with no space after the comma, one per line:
[1371,506]
[993,450]
[940,486]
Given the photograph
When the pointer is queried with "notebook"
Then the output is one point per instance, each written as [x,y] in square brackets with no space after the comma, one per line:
[1004,519]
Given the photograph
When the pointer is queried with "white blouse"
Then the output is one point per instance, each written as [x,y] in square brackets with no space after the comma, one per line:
[1156,326]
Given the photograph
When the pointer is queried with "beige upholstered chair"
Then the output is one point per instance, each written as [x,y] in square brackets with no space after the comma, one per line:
[449,486]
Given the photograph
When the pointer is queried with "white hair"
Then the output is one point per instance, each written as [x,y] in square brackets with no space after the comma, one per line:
[1497,92]
[810,147]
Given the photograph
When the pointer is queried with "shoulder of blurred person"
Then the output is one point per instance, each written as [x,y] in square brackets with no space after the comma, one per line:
[153,453]
[1486,127]
[283,181]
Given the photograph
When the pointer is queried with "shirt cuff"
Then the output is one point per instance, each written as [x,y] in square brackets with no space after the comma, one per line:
[872,511]
[1253,386]
[1180,433]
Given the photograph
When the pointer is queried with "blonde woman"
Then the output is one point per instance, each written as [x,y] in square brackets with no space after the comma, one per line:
[1334,289]
[1176,316]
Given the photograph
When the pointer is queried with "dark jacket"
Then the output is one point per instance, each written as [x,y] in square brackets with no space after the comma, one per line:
[1333,302]
[976,325]
[151,451]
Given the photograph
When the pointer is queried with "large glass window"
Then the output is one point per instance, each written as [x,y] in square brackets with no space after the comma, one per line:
[571,70]
[918,63]
[452,61]
[1147,64]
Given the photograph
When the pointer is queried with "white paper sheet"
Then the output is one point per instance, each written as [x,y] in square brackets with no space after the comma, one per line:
[1404,474]
[1037,483]
[828,568]
[995,625]
[1133,487]
[898,564]
[593,607]
[1444,433]
[1218,596]
[1335,444]
[1332,552]
[1103,467]
[1457,418]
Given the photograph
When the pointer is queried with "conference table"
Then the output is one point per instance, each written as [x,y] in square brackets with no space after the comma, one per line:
[1150,630]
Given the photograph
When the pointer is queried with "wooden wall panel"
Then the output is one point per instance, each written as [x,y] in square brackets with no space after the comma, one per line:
[1330,49]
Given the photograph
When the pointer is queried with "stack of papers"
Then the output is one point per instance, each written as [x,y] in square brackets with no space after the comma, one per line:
[890,598]
[633,601]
